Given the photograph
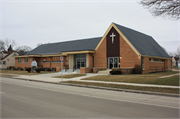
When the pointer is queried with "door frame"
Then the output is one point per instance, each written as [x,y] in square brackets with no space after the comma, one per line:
[108,59]
[80,62]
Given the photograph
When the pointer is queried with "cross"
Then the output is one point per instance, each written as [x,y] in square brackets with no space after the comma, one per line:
[112,37]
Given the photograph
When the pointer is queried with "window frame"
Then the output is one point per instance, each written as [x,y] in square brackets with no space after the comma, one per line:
[4,63]
[26,61]
[19,60]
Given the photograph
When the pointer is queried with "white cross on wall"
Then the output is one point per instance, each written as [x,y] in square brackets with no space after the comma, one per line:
[112,37]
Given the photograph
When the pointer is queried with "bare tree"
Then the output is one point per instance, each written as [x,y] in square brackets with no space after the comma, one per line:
[21,50]
[172,54]
[164,8]
[5,44]
[2,46]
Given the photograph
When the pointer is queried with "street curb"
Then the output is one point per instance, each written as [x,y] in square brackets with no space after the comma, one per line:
[125,90]
[107,88]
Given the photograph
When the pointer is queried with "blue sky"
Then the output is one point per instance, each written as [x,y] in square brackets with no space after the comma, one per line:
[30,22]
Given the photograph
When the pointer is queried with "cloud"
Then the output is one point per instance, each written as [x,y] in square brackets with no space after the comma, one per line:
[33,22]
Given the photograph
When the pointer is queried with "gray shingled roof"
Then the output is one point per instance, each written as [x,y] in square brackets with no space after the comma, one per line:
[143,43]
[58,48]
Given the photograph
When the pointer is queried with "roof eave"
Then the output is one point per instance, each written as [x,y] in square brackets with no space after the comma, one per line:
[155,57]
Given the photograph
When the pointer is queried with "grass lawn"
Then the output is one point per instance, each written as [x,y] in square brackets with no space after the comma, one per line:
[69,76]
[24,72]
[153,89]
[141,78]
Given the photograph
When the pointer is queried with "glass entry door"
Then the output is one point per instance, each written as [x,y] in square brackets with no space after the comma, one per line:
[80,62]
[113,62]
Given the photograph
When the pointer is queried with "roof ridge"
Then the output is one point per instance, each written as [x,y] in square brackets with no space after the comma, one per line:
[132,29]
[72,40]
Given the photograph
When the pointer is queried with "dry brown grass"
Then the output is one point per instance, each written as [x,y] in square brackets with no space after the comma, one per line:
[153,89]
[69,76]
[24,72]
[140,78]
[7,75]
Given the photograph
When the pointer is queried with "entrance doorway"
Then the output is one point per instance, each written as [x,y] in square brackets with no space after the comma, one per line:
[113,62]
[80,62]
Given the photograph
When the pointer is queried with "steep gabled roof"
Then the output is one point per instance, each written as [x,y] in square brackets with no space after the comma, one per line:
[143,43]
[9,53]
[58,48]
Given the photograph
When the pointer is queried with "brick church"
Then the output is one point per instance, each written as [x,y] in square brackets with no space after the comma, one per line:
[120,47]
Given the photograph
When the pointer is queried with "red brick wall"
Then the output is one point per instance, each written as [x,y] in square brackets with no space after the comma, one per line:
[155,66]
[169,64]
[40,62]
[23,64]
[55,64]
[100,58]
[90,60]
[86,70]
[128,57]
[146,65]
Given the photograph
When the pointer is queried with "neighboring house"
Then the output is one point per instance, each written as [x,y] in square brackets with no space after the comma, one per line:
[120,47]
[7,59]
[173,61]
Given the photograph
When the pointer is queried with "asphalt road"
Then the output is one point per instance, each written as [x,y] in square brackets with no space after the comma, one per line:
[27,99]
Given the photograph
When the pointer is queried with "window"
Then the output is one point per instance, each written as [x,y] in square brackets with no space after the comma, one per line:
[14,54]
[2,55]
[155,60]
[142,63]
[66,61]
[53,69]
[26,59]
[46,59]
[56,59]
[4,62]
[19,60]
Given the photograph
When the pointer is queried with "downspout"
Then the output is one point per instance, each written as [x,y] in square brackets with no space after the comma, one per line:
[50,62]
[92,58]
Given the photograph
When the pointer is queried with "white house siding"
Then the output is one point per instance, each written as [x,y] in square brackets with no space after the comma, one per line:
[11,61]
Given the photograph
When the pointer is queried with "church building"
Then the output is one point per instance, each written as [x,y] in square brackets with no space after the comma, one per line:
[120,47]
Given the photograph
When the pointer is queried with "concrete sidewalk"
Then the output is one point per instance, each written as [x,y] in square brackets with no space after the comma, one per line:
[48,78]
[169,75]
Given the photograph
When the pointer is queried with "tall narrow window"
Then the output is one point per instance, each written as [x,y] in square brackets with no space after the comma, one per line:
[26,59]
[142,63]
[19,60]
